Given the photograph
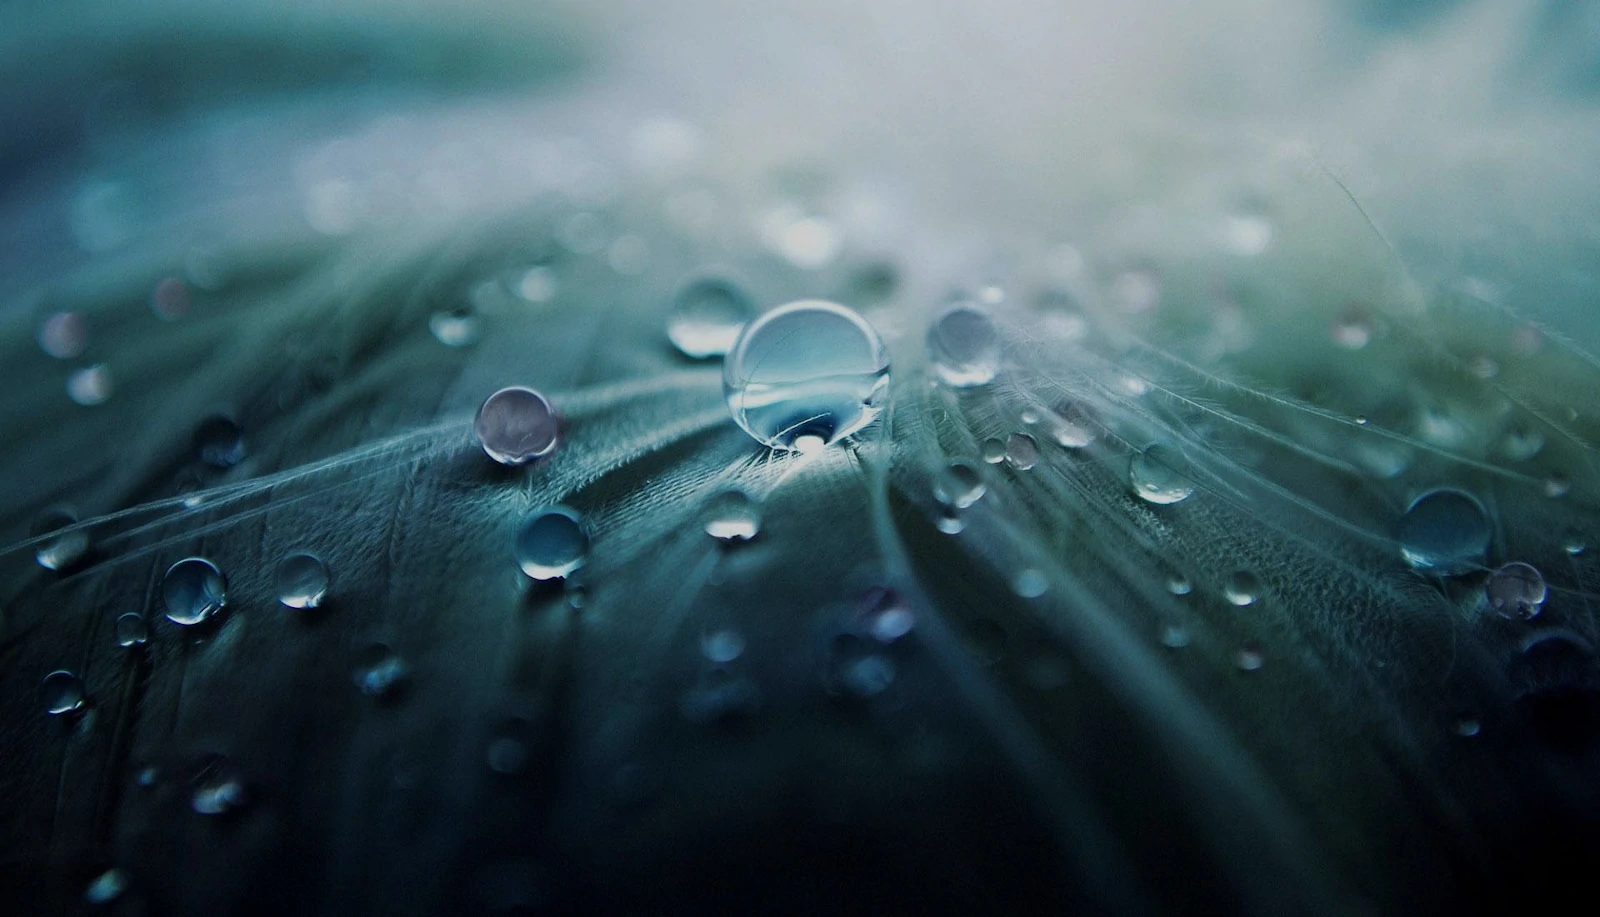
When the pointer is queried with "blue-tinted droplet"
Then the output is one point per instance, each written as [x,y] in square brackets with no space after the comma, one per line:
[964,346]
[379,671]
[517,425]
[707,316]
[193,590]
[806,374]
[1242,588]
[958,485]
[219,441]
[132,630]
[301,581]
[552,544]
[61,692]
[1022,451]
[68,545]
[730,515]
[1445,531]
[1516,590]
[106,887]
[456,327]
[1158,475]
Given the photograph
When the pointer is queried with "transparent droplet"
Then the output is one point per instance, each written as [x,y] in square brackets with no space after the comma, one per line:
[1030,583]
[1249,658]
[1249,233]
[61,692]
[809,370]
[722,646]
[65,548]
[517,425]
[456,327]
[994,451]
[216,787]
[1022,451]
[64,335]
[1178,584]
[219,441]
[1174,637]
[964,346]
[90,385]
[1071,428]
[552,544]
[193,590]
[1157,474]
[132,630]
[1516,590]
[106,887]
[1030,416]
[629,255]
[379,671]
[720,696]
[1353,329]
[1242,588]
[537,285]
[301,581]
[1574,543]
[730,515]
[948,520]
[1444,531]
[958,485]
[886,615]
[707,316]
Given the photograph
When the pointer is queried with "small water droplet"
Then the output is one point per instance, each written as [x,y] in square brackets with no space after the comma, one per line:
[1353,329]
[1557,485]
[886,615]
[219,441]
[457,327]
[379,671]
[730,515]
[1029,416]
[106,887]
[707,316]
[537,285]
[1516,590]
[1030,583]
[1157,475]
[1249,233]
[193,590]
[994,451]
[1242,588]
[552,544]
[61,692]
[64,335]
[958,485]
[301,581]
[722,646]
[1022,451]
[948,520]
[217,788]
[517,425]
[1444,531]
[964,346]
[1574,543]
[1178,584]
[66,548]
[1467,727]
[1071,428]
[1249,658]
[1174,637]
[132,630]
[807,370]
[90,385]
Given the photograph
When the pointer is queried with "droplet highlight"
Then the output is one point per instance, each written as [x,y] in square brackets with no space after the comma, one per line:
[517,425]
[707,316]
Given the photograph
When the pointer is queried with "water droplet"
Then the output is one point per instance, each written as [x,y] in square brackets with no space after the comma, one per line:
[958,485]
[1242,588]
[66,548]
[807,370]
[379,671]
[1444,531]
[886,615]
[722,646]
[1467,727]
[170,299]
[1249,658]
[1157,474]
[994,451]
[1557,485]
[1071,428]
[707,316]
[1029,416]
[1574,543]
[1521,443]
[132,630]
[730,515]
[552,544]
[64,335]
[1516,590]
[301,581]
[810,242]
[948,520]
[1022,451]
[964,346]
[855,669]
[1353,329]
[219,441]
[217,788]
[517,425]
[106,887]
[456,327]
[537,285]
[61,692]
[1174,637]
[90,385]
[1178,584]
[193,590]
[1030,583]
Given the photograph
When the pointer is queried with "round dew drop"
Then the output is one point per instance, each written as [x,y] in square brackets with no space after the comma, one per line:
[1156,477]
[1516,590]
[61,692]
[1444,531]
[731,515]
[132,630]
[964,346]
[552,544]
[301,581]
[193,590]
[959,485]
[707,316]
[517,425]
[806,375]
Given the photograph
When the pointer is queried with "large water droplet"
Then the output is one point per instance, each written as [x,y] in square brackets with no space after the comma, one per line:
[219,441]
[1242,588]
[730,515]
[193,590]
[1516,590]
[964,346]
[1444,531]
[61,692]
[132,630]
[994,451]
[1022,451]
[707,316]
[1158,477]
[517,425]
[958,485]
[456,327]
[552,544]
[301,581]
[808,371]
[66,548]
